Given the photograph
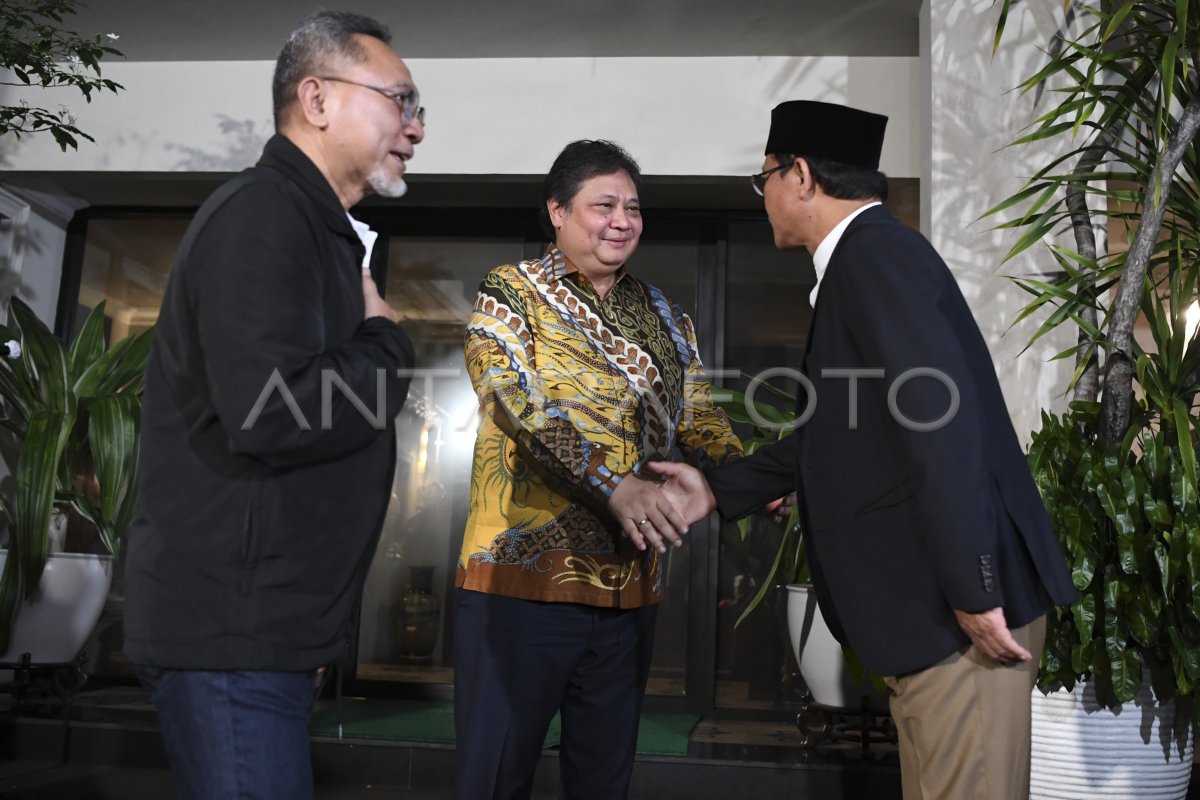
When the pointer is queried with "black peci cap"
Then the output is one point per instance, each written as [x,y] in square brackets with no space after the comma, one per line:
[826,130]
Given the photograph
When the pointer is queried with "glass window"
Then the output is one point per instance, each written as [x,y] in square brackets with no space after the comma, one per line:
[125,264]
[406,628]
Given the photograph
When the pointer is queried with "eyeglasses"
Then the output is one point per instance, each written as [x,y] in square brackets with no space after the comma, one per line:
[759,181]
[409,101]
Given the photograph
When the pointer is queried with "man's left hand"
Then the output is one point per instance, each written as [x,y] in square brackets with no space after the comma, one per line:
[990,634]
[779,510]
[647,516]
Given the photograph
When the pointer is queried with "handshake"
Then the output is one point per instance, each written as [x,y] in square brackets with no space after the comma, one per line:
[657,513]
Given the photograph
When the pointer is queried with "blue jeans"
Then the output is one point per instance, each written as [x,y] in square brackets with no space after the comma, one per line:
[234,734]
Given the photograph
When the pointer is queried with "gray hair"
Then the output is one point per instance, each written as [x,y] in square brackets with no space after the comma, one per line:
[313,48]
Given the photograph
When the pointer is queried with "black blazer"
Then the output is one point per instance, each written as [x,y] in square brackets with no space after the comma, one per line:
[904,524]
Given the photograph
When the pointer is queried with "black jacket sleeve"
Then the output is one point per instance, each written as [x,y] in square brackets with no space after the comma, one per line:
[288,391]
[744,485]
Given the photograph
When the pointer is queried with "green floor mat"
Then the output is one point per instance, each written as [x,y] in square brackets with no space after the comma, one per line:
[433,721]
[665,734]
[401,720]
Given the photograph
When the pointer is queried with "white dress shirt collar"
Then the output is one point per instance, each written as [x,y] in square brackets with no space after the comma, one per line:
[825,249]
[367,237]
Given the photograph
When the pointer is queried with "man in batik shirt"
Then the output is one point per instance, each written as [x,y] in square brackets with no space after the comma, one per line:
[584,373]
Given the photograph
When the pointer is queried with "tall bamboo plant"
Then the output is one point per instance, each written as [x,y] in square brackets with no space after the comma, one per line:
[74,412]
[1118,472]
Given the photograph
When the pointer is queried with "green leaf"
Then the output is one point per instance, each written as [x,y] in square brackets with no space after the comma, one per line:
[112,430]
[1082,656]
[1185,491]
[36,475]
[120,369]
[1193,560]
[743,526]
[1163,561]
[766,586]
[1115,21]
[1156,510]
[45,356]
[1084,612]
[1084,567]
[88,345]
[1140,620]
[1114,507]
[1189,653]
[1154,459]
[1036,231]
[1044,188]
[1181,15]
[1126,675]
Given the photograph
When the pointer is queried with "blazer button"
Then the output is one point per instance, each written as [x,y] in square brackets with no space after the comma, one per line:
[985,572]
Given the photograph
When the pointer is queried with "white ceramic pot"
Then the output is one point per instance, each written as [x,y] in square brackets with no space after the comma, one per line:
[54,626]
[819,654]
[1081,750]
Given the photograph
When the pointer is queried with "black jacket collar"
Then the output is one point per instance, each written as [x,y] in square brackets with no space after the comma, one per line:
[281,154]
[877,213]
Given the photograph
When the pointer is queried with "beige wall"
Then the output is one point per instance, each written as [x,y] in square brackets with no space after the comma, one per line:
[678,116]
[951,112]
[972,114]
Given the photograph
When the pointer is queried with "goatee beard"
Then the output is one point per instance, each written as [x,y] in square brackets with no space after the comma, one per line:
[385,185]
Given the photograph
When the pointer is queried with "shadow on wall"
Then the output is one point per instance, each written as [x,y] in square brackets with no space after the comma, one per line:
[17,243]
[9,142]
[242,144]
[801,72]
[8,146]
[972,172]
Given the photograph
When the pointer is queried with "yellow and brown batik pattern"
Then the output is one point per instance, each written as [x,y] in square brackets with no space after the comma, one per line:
[576,393]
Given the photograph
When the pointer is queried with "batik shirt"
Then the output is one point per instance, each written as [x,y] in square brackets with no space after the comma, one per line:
[575,394]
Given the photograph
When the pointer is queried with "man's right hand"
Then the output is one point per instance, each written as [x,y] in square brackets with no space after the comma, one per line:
[376,305]
[990,634]
[686,488]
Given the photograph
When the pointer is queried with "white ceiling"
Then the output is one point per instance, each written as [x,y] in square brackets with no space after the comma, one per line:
[197,30]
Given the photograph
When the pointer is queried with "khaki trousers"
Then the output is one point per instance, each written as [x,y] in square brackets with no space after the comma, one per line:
[963,724]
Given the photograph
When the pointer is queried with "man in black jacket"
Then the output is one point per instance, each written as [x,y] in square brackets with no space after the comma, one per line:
[930,550]
[267,447]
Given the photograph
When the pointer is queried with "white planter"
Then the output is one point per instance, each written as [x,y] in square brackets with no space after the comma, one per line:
[820,657]
[54,626]
[1082,750]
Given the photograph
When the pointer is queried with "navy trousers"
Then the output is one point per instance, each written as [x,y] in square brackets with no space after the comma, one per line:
[516,663]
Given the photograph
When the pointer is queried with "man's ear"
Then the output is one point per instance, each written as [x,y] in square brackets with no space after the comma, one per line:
[556,211]
[312,102]
[804,180]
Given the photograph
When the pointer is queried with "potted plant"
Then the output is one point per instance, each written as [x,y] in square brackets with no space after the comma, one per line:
[1118,471]
[74,413]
